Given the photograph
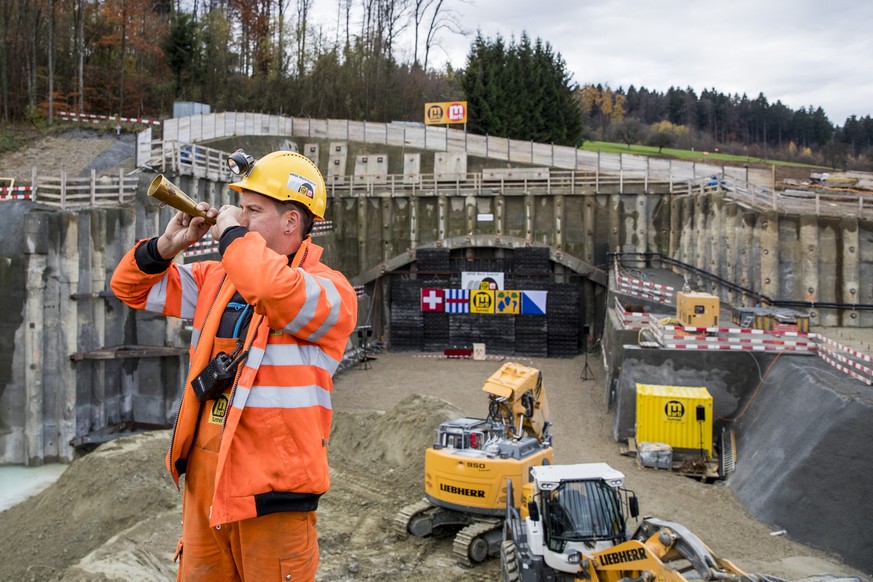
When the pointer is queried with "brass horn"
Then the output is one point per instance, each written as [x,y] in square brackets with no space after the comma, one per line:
[168,193]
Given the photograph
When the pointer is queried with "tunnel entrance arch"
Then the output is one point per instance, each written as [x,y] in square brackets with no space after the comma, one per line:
[545,303]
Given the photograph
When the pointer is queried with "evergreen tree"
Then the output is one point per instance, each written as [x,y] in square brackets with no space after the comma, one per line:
[181,50]
[521,91]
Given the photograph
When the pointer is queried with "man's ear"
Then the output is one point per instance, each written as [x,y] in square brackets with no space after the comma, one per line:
[292,220]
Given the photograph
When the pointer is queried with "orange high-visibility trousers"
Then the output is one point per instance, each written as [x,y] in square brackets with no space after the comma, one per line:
[278,546]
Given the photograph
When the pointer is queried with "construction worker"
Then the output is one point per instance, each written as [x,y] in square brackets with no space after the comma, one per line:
[271,323]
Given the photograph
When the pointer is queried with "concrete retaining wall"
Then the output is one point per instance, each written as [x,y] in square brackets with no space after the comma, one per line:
[785,257]
[55,271]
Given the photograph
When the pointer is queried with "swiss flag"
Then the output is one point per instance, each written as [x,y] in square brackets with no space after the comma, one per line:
[433,299]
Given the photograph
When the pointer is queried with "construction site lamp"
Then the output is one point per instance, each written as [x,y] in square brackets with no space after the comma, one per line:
[240,163]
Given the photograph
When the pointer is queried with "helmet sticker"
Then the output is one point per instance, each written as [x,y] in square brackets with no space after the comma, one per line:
[298,183]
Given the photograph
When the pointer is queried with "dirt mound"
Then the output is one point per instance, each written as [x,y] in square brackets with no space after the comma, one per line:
[115,515]
[120,484]
[395,440]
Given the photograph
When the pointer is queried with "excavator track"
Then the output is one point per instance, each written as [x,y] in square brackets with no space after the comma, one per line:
[406,515]
[470,546]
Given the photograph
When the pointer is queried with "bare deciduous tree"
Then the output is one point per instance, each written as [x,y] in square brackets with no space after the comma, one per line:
[303,9]
[440,19]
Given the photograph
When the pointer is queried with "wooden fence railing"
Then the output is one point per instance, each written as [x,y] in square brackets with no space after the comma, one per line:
[67,192]
[206,162]
[71,192]
[808,202]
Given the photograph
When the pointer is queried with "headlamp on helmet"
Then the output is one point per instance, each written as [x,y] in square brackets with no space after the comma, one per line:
[240,163]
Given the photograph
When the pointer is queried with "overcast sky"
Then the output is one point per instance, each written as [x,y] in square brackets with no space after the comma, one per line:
[801,52]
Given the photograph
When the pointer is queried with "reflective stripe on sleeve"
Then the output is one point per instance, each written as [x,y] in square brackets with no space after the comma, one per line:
[333,299]
[307,311]
[294,355]
[157,298]
[189,292]
[281,397]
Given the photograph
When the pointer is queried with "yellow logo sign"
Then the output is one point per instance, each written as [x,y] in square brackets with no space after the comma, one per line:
[508,302]
[445,112]
[481,301]
[219,410]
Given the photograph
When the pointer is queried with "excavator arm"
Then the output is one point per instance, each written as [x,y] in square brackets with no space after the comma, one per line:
[518,400]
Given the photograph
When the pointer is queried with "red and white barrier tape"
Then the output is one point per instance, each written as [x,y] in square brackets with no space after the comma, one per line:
[734,340]
[628,290]
[91,118]
[741,330]
[743,347]
[200,252]
[826,350]
[843,348]
[845,370]
[15,197]
[663,289]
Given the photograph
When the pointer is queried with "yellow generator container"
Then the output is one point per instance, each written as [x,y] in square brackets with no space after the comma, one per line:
[695,309]
[680,416]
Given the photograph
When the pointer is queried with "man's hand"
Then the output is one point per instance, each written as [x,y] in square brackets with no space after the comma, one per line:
[228,215]
[183,231]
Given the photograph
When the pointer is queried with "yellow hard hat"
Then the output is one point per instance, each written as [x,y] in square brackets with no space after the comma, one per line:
[287,176]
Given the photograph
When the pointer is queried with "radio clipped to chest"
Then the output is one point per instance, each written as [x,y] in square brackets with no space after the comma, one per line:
[218,375]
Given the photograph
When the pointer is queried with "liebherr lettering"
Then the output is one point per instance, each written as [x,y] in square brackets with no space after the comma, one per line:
[461,491]
[623,556]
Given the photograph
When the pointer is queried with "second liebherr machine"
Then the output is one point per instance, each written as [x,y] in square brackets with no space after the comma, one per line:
[472,461]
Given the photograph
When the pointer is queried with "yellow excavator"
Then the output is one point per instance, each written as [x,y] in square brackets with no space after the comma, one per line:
[474,462]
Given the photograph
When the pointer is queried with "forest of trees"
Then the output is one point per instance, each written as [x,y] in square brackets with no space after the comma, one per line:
[376,62]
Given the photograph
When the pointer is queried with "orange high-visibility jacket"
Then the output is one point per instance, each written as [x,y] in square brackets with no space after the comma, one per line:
[274,445]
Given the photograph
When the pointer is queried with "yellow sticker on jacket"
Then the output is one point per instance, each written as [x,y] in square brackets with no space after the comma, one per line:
[219,410]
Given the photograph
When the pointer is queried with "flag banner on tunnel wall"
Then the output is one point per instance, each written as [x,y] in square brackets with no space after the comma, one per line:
[433,300]
[458,300]
[534,302]
[500,302]
[481,301]
[508,302]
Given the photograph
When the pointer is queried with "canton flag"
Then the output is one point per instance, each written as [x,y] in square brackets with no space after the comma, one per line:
[458,300]
[432,299]
[533,302]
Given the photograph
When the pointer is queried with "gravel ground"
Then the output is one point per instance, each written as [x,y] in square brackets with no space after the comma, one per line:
[114,515]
